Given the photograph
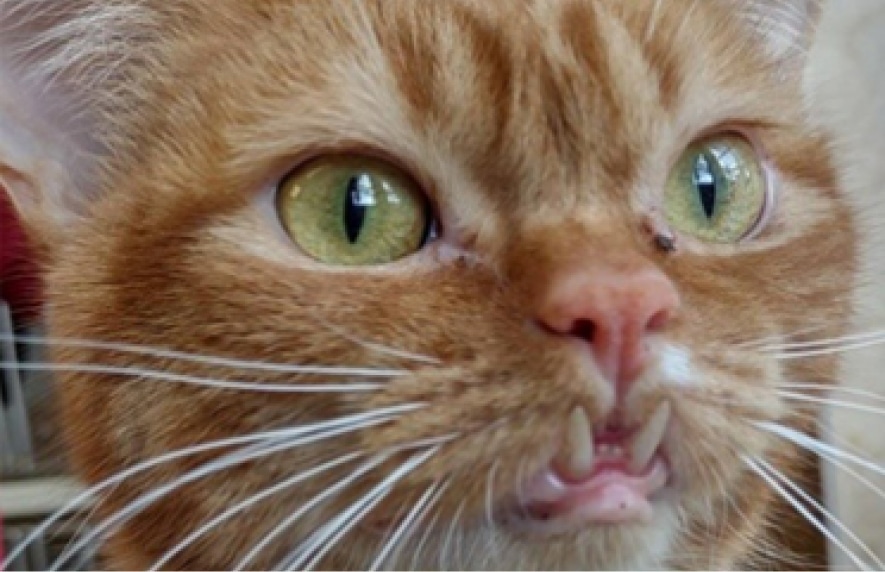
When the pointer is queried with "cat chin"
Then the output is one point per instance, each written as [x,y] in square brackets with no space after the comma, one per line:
[510,542]
[598,547]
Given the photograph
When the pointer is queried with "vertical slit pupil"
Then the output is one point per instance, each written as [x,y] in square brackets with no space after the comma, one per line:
[357,200]
[705,182]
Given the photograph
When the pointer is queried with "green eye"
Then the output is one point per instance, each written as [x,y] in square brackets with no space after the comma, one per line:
[353,211]
[717,191]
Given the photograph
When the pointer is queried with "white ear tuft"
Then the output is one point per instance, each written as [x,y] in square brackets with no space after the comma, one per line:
[786,25]
[61,62]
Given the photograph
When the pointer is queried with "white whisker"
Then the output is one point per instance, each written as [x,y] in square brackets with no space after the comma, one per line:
[248,503]
[851,472]
[321,542]
[384,350]
[109,526]
[410,534]
[835,389]
[414,516]
[373,463]
[822,351]
[140,374]
[831,402]
[291,519]
[824,342]
[859,478]
[202,359]
[817,446]
[802,510]
[416,554]
[450,536]
[91,493]
[823,510]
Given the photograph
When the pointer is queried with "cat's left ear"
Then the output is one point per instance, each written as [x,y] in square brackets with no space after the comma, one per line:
[58,62]
[786,26]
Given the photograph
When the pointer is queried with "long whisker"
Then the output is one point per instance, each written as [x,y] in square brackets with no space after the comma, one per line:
[803,510]
[835,389]
[851,472]
[91,493]
[248,503]
[366,506]
[382,349]
[816,445]
[289,521]
[328,536]
[153,375]
[823,510]
[837,349]
[202,359]
[414,516]
[447,543]
[832,402]
[373,463]
[823,342]
[429,527]
[225,462]
[419,549]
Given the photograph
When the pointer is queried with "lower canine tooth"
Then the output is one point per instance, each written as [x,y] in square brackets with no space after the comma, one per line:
[647,441]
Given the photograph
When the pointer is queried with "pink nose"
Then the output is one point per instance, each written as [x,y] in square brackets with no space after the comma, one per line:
[614,309]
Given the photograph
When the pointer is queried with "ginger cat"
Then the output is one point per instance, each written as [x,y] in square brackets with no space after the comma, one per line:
[520,284]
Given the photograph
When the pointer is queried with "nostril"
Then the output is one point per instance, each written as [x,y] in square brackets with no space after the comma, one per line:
[584,329]
[658,321]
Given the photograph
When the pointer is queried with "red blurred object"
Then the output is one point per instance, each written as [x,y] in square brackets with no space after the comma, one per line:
[19,286]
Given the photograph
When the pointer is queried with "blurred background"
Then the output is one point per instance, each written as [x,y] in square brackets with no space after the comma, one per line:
[846,81]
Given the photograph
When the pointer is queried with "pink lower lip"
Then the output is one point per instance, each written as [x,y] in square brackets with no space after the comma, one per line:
[551,505]
[611,495]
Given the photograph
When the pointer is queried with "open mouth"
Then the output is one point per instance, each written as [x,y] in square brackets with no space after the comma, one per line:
[607,474]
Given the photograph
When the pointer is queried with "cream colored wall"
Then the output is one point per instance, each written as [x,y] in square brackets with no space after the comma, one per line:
[847,78]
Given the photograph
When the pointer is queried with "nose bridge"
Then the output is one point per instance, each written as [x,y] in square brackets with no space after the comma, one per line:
[545,254]
[595,285]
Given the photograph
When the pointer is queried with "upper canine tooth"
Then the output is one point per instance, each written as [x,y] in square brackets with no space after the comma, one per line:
[646,443]
[577,455]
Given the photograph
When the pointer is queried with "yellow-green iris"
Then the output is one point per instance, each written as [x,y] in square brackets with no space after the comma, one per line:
[353,211]
[717,191]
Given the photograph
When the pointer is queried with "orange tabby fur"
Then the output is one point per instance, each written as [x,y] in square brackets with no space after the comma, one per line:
[542,130]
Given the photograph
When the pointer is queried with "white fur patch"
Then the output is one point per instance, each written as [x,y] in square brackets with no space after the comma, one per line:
[675,366]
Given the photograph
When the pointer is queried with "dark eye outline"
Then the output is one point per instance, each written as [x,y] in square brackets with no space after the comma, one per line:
[433,229]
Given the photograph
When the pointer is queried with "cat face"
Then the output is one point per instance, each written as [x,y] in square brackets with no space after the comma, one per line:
[502,273]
